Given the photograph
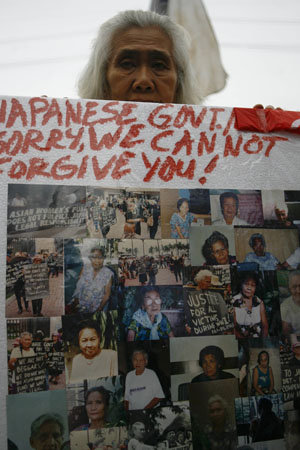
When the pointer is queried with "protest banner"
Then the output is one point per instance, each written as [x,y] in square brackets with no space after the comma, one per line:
[148,160]
[30,374]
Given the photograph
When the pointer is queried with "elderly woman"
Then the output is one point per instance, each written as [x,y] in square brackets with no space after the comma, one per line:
[148,323]
[133,221]
[140,56]
[216,250]
[219,433]
[96,405]
[250,319]
[93,288]
[263,378]
[181,221]
[211,359]
[265,260]
[92,361]
[142,386]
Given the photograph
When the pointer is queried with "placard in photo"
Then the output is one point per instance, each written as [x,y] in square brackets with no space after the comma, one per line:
[182,208]
[35,355]
[103,438]
[34,277]
[152,312]
[90,346]
[91,275]
[290,367]
[200,359]
[46,210]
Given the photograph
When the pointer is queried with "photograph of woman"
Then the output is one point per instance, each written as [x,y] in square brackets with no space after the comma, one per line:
[216,250]
[250,319]
[148,322]
[181,220]
[92,361]
[211,359]
[96,403]
[263,378]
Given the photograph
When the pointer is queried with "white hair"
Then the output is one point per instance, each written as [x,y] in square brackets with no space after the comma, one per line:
[92,83]
[202,274]
[45,418]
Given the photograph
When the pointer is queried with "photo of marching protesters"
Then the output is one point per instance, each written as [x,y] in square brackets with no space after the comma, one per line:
[183,208]
[266,247]
[152,313]
[34,277]
[289,293]
[200,359]
[35,419]
[46,211]
[123,214]
[259,418]
[213,415]
[161,428]
[153,262]
[90,345]
[232,207]
[35,355]
[255,303]
[211,246]
[146,368]
[96,404]
[91,275]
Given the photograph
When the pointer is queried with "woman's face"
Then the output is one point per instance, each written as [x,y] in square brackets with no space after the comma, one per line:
[210,366]
[152,303]
[97,260]
[220,253]
[248,288]
[216,413]
[95,406]
[264,360]
[89,342]
[184,208]
[139,363]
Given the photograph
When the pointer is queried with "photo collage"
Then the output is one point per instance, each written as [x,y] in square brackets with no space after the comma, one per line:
[153,319]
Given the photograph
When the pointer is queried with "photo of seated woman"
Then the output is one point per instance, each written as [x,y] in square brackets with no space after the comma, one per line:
[91,278]
[183,208]
[153,313]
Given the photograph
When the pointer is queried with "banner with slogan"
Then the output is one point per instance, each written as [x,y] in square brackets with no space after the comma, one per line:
[150,265]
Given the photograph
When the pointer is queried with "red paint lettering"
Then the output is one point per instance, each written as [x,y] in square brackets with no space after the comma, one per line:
[230,149]
[31,139]
[153,167]
[204,142]
[230,123]
[257,142]
[55,136]
[76,137]
[35,110]
[213,122]
[37,167]
[187,112]
[101,173]
[16,146]
[107,140]
[89,112]
[121,162]
[71,115]
[133,132]
[83,167]
[15,112]
[154,142]
[125,111]
[186,142]
[3,111]
[166,118]
[4,161]
[272,141]
[53,111]
[59,165]
[189,173]
[167,170]
[17,170]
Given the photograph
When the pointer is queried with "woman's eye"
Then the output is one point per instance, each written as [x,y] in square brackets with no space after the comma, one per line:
[127,64]
[159,65]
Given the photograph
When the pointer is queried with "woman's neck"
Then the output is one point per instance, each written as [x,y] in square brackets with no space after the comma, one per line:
[100,423]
